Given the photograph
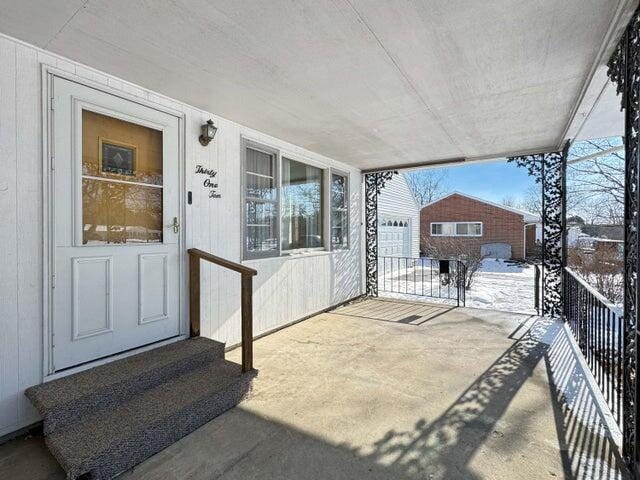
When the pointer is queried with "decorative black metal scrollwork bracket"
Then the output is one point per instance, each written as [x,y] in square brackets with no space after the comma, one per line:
[373,185]
[549,169]
[624,71]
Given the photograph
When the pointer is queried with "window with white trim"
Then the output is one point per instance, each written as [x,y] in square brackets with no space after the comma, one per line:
[260,203]
[456,229]
[339,211]
[289,205]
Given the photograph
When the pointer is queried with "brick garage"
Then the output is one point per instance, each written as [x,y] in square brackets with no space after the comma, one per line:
[499,224]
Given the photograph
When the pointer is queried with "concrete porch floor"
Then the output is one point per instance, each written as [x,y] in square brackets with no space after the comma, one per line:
[390,389]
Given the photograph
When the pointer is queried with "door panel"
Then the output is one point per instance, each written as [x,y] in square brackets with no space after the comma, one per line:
[154,286]
[117,261]
[92,308]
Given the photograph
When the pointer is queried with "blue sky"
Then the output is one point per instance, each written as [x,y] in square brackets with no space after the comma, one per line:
[491,181]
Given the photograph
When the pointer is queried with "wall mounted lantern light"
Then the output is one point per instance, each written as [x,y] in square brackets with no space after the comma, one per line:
[207,132]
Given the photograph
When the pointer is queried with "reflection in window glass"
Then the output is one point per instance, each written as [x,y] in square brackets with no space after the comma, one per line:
[260,175]
[261,224]
[339,212]
[120,213]
[301,205]
[121,181]
[462,229]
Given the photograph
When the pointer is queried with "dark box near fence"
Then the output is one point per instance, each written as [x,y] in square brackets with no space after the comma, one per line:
[444,267]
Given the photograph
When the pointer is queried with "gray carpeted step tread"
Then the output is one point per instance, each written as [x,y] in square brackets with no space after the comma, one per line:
[114,441]
[64,400]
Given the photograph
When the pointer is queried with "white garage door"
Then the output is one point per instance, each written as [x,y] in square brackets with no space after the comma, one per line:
[394,237]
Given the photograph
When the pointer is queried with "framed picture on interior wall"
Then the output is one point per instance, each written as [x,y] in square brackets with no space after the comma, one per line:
[117,157]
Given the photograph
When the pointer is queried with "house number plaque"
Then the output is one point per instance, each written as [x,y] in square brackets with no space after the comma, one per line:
[210,180]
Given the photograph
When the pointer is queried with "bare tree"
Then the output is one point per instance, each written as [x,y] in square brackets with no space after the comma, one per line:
[427,185]
[602,269]
[596,185]
[509,201]
[469,253]
[531,200]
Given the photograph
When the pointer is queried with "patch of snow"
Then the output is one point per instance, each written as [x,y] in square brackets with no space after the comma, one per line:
[498,284]
[503,285]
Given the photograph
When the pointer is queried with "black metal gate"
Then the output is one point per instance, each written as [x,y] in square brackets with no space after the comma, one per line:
[423,277]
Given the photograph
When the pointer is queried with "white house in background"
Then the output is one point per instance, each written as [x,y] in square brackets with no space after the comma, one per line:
[574,233]
[398,220]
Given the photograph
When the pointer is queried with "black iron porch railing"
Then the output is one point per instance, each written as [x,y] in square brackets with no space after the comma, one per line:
[424,277]
[597,327]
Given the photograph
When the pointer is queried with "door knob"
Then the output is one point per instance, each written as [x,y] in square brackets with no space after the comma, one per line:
[176,225]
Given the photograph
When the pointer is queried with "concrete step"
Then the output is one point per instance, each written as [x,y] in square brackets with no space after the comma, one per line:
[65,401]
[111,442]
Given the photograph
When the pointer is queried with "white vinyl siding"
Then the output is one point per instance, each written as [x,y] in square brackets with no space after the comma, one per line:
[456,229]
[286,289]
[396,202]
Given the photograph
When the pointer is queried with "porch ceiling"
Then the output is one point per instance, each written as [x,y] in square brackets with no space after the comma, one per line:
[368,82]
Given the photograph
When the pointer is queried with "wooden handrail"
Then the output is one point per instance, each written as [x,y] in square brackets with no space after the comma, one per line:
[236,267]
[246,299]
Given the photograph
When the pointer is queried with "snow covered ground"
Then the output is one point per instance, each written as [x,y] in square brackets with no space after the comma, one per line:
[498,285]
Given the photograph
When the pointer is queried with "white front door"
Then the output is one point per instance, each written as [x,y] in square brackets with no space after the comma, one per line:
[115,192]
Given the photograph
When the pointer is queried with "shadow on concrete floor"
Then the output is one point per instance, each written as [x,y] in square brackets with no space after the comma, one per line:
[441,448]
[450,441]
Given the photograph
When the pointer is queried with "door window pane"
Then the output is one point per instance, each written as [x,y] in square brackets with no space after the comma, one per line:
[120,213]
[301,205]
[121,181]
[118,150]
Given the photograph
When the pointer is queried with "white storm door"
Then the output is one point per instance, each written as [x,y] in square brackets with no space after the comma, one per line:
[116,216]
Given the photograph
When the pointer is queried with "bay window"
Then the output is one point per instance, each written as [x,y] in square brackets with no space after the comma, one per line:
[290,206]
